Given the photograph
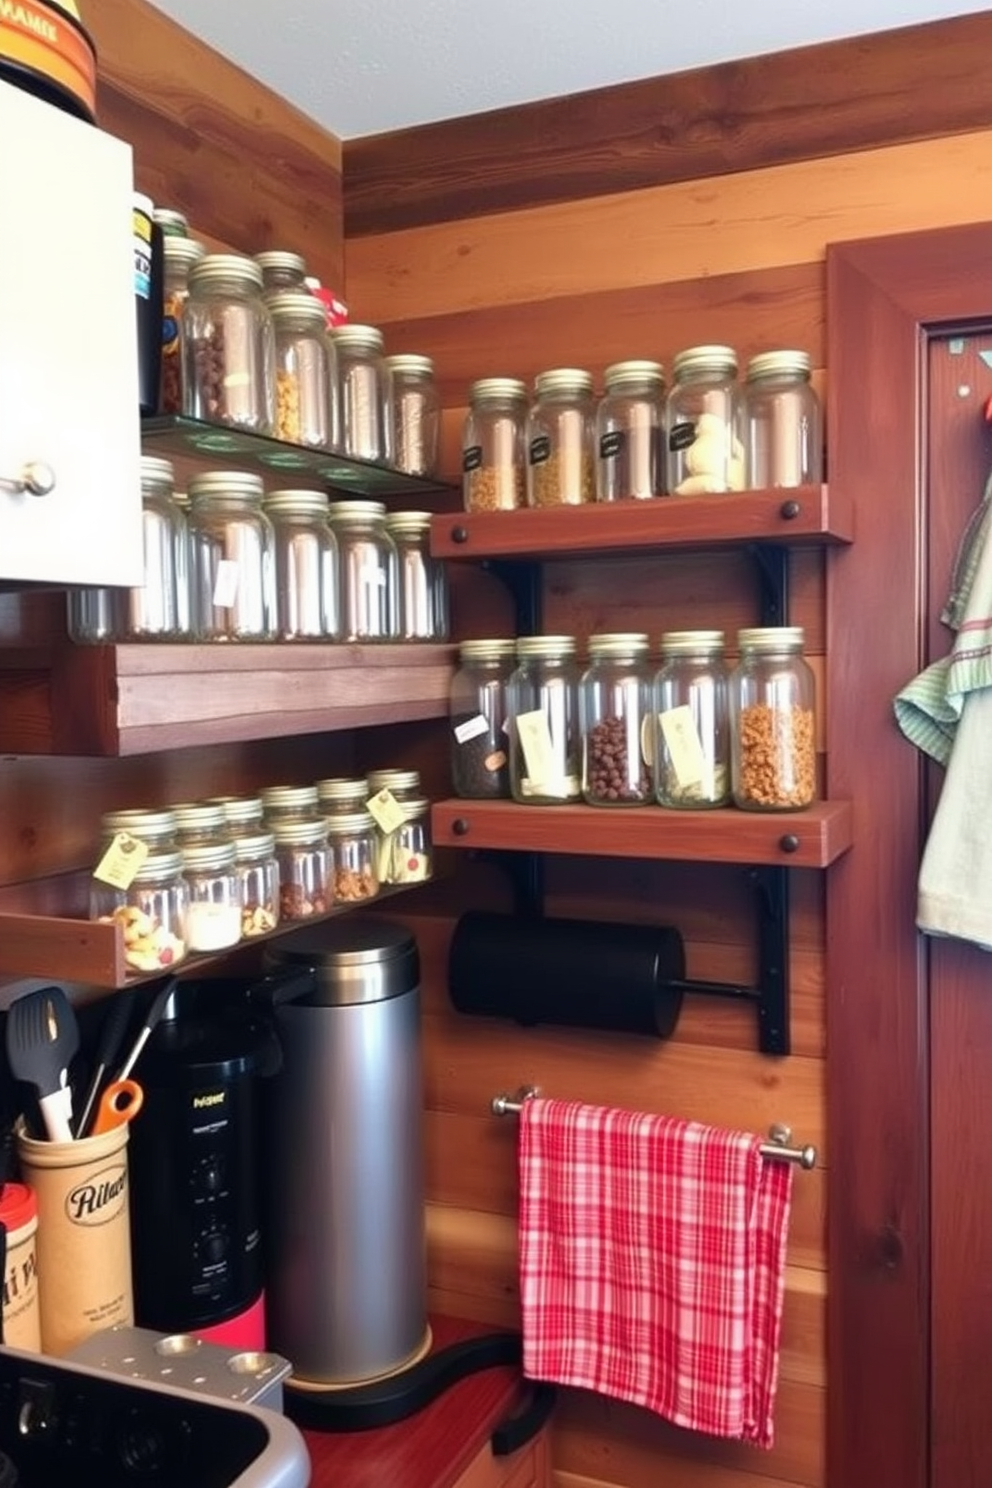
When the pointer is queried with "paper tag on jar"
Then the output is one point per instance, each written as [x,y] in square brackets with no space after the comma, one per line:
[385,811]
[470,729]
[685,747]
[121,861]
[225,584]
[539,752]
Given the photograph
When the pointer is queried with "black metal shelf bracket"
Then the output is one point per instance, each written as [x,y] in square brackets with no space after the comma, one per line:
[523,578]
[772,563]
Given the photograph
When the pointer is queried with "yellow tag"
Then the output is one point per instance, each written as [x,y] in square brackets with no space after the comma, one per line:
[539,754]
[121,861]
[684,745]
[385,812]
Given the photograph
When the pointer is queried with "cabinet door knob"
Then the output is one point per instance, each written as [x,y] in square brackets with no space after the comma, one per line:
[36,478]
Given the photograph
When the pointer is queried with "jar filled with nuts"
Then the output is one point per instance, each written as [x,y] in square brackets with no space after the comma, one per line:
[413,420]
[258,882]
[354,849]
[773,721]
[784,422]
[180,254]
[213,914]
[409,858]
[615,695]
[305,378]
[705,419]
[201,823]
[342,795]
[306,868]
[691,725]
[228,345]
[494,446]
[289,803]
[423,580]
[151,912]
[306,566]
[561,464]
[282,270]
[543,709]
[361,384]
[480,765]
[369,568]
[231,558]
[630,425]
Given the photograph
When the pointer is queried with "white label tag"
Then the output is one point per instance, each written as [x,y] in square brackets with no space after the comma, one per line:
[225,584]
[539,754]
[121,861]
[681,736]
[385,811]
[470,729]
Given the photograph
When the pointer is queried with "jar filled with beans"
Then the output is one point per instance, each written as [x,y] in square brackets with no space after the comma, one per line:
[691,726]
[561,463]
[305,376]
[228,345]
[354,849]
[615,708]
[494,446]
[306,871]
[773,721]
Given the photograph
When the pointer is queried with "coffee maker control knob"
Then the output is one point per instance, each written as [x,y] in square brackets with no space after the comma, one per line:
[214,1247]
[211,1175]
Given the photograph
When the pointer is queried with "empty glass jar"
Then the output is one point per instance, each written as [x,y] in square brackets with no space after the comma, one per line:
[306,566]
[784,422]
[423,582]
[561,468]
[231,548]
[213,913]
[354,848]
[630,425]
[228,345]
[413,414]
[361,382]
[615,694]
[258,882]
[542,698]
[705,419]
[494,446]
[369,569]
[691,736]
[480,766]
[773,721]
[305,378]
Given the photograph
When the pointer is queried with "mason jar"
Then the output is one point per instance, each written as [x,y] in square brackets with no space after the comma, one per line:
[151,913]
[614,704]
[423,596]
[157,828]
[342,795]
[173,224]
[282,270]
[258,882]
[361,385]
[306,868]
[231,558]
[630,432]
[201,824]
[306,566]
[413,414]
[494,446]
[228,345]
[691,734]
[705,419]
[561,465]
[304,370]
[477,707]
[243,814]
[409,858]
[180,255]
[213,913]
[289,803]
[354,849]
[369,570]
[93,616]
[773,697]
[542,699]
[783,420]
[403,785]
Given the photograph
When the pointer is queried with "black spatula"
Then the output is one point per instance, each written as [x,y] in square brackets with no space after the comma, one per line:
[42,1037]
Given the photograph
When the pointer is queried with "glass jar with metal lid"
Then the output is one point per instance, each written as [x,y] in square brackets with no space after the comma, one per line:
[281,270]
[342,795]
[179,256]
[306,867]
[773,722]
[784,422]
[361,384]
[289,803]
[354,849]
[403,785]
[173,224]
[477,706]
[200,823]
[305,377]
[614,706]
[306,566]
[705,420]
[561,465]
[423,580]
[243,814]
[691,736]
[494,446]
[228,345]
[413,414]
[151,913]
[407,855]
[369,569]
[157,829]
[630,430]
[543,708]
[231,558]
[159,609]
[213,914]
[258,882]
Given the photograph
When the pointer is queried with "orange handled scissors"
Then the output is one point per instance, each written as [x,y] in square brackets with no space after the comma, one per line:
[120,1102]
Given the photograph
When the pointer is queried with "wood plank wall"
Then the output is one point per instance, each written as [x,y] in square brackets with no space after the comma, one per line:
[631,223]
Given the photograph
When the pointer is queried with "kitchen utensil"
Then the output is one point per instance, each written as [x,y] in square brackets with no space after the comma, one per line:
[120,1102]
[42,1037]
[111,1037]
[145,1031]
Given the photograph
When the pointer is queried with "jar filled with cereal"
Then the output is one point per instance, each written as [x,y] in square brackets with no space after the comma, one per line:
[306,872]
[354,848]
[258,882]
[691,744]
[151,912]
[410,858]
[543,713]
[561,464]
[228,345]
[705,420]
[615,696]
[213,914]
[494,446]
[773,698]
[304,370]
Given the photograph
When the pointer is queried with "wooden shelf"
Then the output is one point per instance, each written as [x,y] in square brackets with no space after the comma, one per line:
[135,699]
[808,515]
[795,839]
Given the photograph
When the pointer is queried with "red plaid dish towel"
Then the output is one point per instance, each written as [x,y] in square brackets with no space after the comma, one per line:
[652,1263]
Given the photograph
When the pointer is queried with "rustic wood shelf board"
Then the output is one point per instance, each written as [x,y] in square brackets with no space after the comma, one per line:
[808,515]
[799,839]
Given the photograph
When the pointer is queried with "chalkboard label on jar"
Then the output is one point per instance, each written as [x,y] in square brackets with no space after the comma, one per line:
[540,449]
[611,445]
[472,458]
[682,436]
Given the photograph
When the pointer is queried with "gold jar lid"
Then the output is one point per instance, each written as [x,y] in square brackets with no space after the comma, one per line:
[497,387]
[622,373]
[618,643]
[771,638]
[226,268]
[718,360]
[779,364]
[548,646]
[684,642]
[564,380]
[487,649]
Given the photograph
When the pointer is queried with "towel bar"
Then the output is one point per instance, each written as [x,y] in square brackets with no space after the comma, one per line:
[776,1149]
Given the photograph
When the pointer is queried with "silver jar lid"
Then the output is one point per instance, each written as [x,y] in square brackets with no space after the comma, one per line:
[771,638]
[408,523]
[716,359]
[349,511]
[778,364]
[254,847]
[160,865]
[408,361]
[545,646]
[497,387]
[392,780]
[288,305]
[156,472]
[289,798]
[622,373]
[487,648]
[342,788]
[199,816]
[220,268]
[183,253]
[350,824]
[233,485]
[413,810]
[684,642]
[171,222]
[139,823]
[238,810]
[291,832]
[301,503]
[618,643]
[564,380]
[281,261]
[358,338]
[208,856]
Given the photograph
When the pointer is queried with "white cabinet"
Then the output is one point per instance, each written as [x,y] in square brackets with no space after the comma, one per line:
[68,355]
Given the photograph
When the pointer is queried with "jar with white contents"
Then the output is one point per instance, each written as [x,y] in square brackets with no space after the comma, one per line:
[705,418]
[407,856]
[213,914]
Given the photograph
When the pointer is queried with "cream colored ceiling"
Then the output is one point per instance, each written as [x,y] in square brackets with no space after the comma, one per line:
[362,66]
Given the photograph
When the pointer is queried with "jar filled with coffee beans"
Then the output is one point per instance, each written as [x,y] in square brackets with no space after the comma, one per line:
[480,765]
[691,725]
[180,255]
[305,370]
[228,345]
[542,699]
[354,849]
[615,696]
[494,446]
[630,425]
[306,867]
[773,720]
[561,464]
